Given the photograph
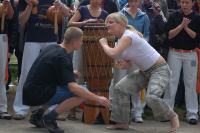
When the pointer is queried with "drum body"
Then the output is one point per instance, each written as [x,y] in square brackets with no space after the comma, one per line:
[97,68]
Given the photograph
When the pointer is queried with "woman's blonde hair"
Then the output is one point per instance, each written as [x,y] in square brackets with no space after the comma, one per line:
[122,19]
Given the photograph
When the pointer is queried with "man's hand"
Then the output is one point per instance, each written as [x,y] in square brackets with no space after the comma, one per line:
[6,3]
[77,74]
[104,101]
[65,10]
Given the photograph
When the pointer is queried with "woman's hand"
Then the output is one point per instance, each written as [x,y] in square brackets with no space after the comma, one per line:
[90,21]
[123,64]
[103,41]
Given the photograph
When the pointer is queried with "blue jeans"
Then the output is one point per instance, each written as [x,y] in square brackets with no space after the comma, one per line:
[62,93]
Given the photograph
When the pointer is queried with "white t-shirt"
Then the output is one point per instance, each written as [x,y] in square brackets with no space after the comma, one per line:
[140,51]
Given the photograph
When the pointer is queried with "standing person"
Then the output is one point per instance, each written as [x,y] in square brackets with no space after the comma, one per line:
[13,40]
[183,28]
[108,5]
[154,73]
[4,59]
[92,12]
[140,21]
[39,32]
[157,36]
[51,81]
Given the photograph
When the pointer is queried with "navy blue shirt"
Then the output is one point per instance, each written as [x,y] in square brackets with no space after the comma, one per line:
[85,14]
[108,5]
[38,27]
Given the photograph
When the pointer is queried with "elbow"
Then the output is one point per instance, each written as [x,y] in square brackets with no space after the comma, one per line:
[113,55]
[69,24]
[170,36]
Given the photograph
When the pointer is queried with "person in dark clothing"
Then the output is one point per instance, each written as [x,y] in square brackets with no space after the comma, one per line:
[51,81]
[108,5]
[183,31]
[157,35]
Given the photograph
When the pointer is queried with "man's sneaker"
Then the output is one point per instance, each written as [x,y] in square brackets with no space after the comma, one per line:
[51,125]
[36,118]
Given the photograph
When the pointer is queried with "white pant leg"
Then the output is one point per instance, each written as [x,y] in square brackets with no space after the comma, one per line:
[175,64]
[190,65]
[78,64]
[31,52]
[138,104]
[3,63]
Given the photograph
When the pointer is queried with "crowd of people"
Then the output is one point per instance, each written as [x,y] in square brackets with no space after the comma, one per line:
[155,49]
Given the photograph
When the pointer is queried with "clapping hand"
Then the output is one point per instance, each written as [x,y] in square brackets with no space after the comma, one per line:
[185,22]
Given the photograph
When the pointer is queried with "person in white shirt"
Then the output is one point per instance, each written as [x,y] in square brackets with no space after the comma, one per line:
[154,73]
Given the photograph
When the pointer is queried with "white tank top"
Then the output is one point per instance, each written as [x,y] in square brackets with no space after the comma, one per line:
[140,51]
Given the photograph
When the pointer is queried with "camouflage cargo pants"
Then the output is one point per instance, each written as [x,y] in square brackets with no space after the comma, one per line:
[155,80]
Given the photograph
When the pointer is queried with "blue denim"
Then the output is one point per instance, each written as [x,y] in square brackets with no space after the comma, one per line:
[62,93]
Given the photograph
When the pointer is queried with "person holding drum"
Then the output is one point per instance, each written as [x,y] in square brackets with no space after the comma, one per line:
[91,13]
[154,73]
[51,81]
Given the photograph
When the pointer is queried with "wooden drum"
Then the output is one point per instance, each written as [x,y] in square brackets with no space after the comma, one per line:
[97,69]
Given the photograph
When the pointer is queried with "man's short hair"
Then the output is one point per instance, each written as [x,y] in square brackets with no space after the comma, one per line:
[72,33]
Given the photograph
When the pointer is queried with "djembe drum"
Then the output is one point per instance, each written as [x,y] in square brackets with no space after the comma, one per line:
[97,69]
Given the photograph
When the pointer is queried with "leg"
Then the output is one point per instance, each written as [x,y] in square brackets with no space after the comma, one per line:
[157,84]
[175,64]
[190,65]
[138,106]
[31,52]
[3,63]
[121,97]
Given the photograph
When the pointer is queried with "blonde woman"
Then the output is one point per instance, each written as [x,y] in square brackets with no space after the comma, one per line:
[154,73]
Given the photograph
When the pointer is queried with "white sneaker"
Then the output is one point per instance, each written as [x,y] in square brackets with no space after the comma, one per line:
[138,120]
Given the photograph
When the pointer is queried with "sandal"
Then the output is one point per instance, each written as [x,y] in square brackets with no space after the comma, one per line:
[5,115]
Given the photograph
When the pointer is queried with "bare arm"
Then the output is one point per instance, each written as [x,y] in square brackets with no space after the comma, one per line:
[174,32]
[74,21]
[82,92]
[190,32]
[114,52]
[10,10]
[65,10]
[24,16]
